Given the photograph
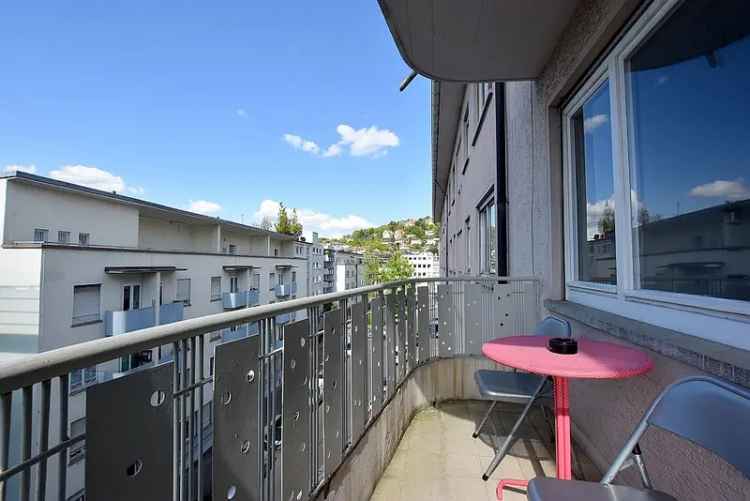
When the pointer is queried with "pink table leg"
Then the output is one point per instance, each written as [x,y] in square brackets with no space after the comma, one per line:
[562,429]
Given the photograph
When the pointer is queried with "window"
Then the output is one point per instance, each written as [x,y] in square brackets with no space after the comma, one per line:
[41,235]
[468,246]
[63,237]
[234,284]
[83,238]
[232,249]
[256,281]
[77,451]
[81,378]
[211,366]
[294,277]
[131,297]
[215,288]
[466,133]
[488,237]
[657,185]
[271,281]
[183,291]
[593,191]
[86,303]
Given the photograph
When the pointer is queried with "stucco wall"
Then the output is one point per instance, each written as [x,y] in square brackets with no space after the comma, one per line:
[162,234]
[29,207]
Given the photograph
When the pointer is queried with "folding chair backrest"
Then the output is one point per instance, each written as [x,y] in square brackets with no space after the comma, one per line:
[554,327]
[709,412]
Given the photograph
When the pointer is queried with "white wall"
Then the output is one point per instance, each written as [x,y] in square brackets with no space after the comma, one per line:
[162,234]
[30,206]
[20,275]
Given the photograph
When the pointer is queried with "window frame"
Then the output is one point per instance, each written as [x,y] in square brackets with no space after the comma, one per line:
[211,282]
[701,316]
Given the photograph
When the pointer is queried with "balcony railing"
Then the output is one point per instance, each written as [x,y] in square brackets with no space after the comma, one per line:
[286,289]
[242,299]
[122,321]
[342,361]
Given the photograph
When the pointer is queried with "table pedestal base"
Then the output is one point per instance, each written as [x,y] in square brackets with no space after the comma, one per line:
[562,439]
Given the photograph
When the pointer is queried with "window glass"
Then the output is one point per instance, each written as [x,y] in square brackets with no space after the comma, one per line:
[689,144]
[215,288]
[488,238]
[183,290]
[593,176]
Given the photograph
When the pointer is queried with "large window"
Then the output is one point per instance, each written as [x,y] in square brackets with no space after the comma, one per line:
[657,178]
[593,192]
[215,288]
[183,291]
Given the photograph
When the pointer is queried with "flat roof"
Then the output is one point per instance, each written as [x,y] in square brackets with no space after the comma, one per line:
[149,207]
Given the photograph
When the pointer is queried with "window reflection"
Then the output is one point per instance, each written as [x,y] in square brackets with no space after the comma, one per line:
[690,152]
[592,150]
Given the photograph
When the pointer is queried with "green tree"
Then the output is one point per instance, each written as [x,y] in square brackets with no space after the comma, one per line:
[286,224]
[397,267]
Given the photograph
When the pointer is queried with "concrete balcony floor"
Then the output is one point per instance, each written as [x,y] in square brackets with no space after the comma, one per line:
[437,459]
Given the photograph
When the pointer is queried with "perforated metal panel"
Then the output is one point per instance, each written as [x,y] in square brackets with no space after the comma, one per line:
[376,374]
[389,355]
[411,326]
[401,325]
[296,442]
[129,436]
[504,320]
[423,321]
[359,369]
[237,440]
[333,393]
[475,297]
[447,335]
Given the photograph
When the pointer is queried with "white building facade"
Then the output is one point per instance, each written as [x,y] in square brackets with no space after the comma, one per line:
[425,264]
[78,264]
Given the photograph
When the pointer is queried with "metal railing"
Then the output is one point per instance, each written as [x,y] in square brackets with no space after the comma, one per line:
[270,416]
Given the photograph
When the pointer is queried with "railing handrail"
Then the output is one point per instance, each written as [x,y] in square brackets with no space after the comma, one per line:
[47,365]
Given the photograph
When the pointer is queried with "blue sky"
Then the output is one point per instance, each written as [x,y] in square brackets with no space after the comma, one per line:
[180,102]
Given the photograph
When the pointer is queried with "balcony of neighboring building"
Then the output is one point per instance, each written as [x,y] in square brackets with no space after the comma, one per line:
[123,321]
[285,289]
[241,299]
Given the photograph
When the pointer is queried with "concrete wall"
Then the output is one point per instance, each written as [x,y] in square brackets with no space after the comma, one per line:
[163,234]
[20,272]
[29,207]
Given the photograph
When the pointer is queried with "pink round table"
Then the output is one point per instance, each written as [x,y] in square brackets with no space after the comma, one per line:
[594,360]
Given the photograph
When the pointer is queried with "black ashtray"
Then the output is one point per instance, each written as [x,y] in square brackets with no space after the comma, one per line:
[563,345]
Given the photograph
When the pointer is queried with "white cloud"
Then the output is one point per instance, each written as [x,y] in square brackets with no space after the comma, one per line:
[12,169]
[367,142]
[729,190]
[325,224]
[593,123]
[203,207]
[298,143]
[94,177]
[241,112]
[594,213]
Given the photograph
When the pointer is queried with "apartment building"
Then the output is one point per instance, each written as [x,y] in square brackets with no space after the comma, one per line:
[342,270]
[425,264]
[606,154]
[79,264]
[315,268]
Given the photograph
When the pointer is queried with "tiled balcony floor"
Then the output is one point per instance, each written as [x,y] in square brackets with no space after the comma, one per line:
[437,459]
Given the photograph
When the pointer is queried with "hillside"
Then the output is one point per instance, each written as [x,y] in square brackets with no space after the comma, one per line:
[406,236]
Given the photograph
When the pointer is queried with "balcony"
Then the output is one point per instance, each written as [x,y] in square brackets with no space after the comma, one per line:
[285,289]
[378,401]
[122,321]
[242,299]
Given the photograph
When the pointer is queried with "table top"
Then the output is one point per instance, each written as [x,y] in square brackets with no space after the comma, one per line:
[594,360]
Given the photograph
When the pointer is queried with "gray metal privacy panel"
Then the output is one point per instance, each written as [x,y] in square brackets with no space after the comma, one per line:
[423,323]
[129,423]
[389,353]
[401,332]
[359,369]
[237,437]
[296,447]
[333,374]
[411,326]
[376,383]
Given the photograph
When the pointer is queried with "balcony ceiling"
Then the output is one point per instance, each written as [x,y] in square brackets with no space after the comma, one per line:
[477,40]
[130,270]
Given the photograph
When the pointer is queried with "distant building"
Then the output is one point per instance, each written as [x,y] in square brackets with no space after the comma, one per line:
[315,268]
[425,264]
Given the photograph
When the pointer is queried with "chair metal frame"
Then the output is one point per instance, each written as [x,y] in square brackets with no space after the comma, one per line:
[689,408]
[550,326]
